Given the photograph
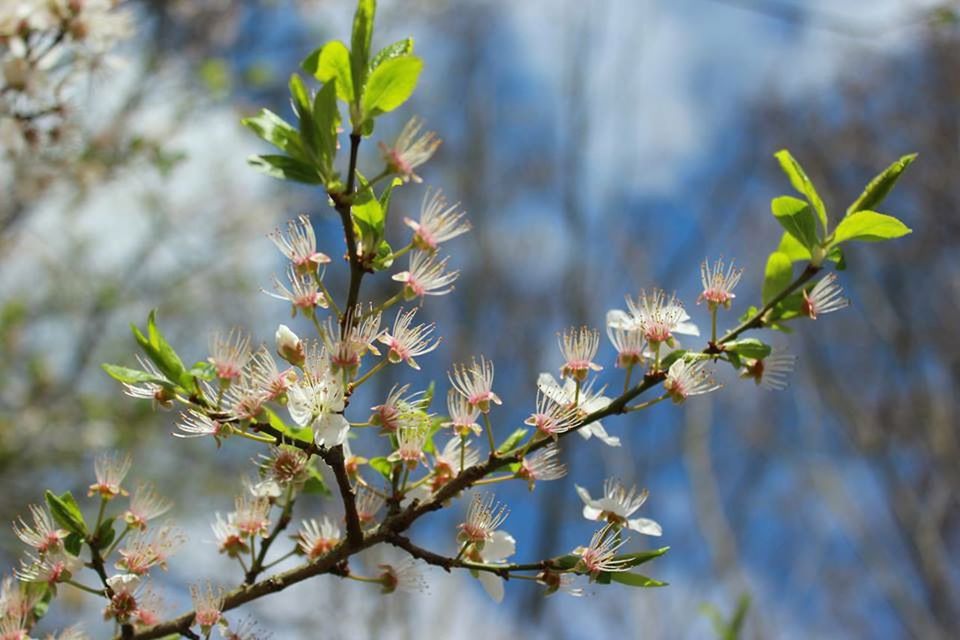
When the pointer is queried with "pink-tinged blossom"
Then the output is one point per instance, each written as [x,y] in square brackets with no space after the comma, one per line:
[251,515]
[770,373]
[463,415]
[685,379]
[406,342]
[439,222]
[718,283]
[426,276]
[317,538]
[110,470]
[402,576]
[147,550]
[552,418]
[73,632]
[387,415]
[145,505]
[285,465]
[244,398]
[304,293]
[300,245]
[584,402]
[42,535]
[194,424]
[229,538]
[475,383]
[123,604]
[579,348]
[825,297]
[659,317]
[49,569]
[207,606]
[229,354]
[616,506]
[16,604]
[484,516]
[246,629]
[267,377]
[149,608]
[601,555]
[630,343]
[542,466]
[410,150]
[411,438]
[368,504]
[447,462]
[345,351]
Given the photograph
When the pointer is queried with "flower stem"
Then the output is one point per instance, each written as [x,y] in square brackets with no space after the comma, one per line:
[489,429]
[83,587]
[377,367]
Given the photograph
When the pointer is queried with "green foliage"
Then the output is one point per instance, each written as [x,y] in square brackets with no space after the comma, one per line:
[315,483]
[133,376]
[748,348]
[869,226]
[390,85]
[512,440]
[400,48]
[382,466]
[285,168]
[635,579]
[66,512]
[796,217]
[777,275]
[361,40]
[800,181]
[880,186]
[729,629]
[332,62]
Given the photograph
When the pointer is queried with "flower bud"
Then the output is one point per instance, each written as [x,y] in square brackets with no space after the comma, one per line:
[289,346]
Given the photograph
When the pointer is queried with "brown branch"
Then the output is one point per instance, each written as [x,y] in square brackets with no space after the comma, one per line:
[447,563]
[334,458]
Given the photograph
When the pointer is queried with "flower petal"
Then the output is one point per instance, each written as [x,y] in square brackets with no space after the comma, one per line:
[492,584]
[645,526]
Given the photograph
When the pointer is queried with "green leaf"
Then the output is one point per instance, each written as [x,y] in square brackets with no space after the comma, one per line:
[777,275]
[636,559]
[106,534]
[672,357]
[382,466]
[800,182]
[275,421]
[315,483]
[635,579]
[400,48]
[390,85]
[332,62]
[565,563]
[869,226]
[749,348]
[285,168]
[326,119]
[513,440]
[169,362]
[792,248]
[73,543]
[66,512]
[360,41]
[796,217]
[133,376]
[880,186]
[277,131]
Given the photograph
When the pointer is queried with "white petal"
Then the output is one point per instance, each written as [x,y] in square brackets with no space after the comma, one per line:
[549,386]
[617,319]
[591,513]
[597,429]
[499,548]
[584,494]
[300,405]
[687,328]
[330,429]
[645,526]
[493,585]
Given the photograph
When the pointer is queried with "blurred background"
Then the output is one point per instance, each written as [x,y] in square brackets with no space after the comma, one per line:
[599,148]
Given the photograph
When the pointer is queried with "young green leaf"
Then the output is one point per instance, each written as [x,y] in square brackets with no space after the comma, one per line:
[133,376]
[636,559]
[66,512]
[277,131]
[869,226]
[777,275]
[360,41]
[332,62]
[326,119]
[635,579]
[285,168]
[400,48]
[382,466]
[390,85]
[880,186]
[800,181]
[792,248]
[749,348]
[315,483]
[512,440]
[796,217]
